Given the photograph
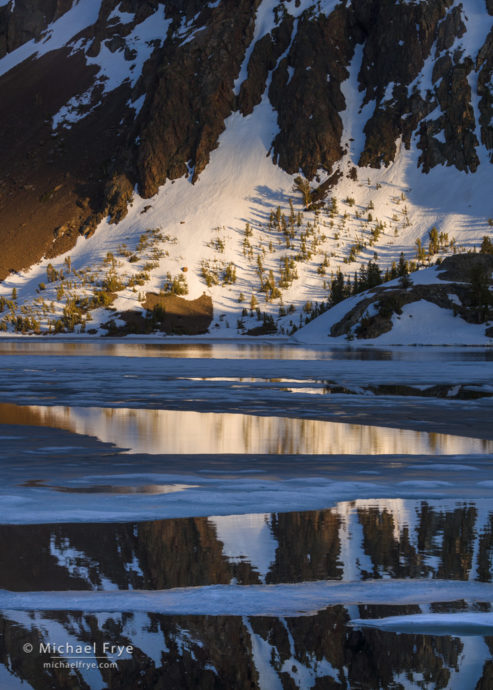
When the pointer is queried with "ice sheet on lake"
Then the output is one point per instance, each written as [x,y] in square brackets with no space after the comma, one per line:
[112,492]
[256,600]
[457,624]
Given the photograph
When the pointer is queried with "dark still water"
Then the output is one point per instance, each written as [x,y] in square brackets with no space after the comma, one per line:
[190,652]
[308,640]
[355,540]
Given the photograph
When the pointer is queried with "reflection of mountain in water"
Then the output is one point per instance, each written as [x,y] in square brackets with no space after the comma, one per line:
[377,539]
[181,652]
[362,539]
[185,432]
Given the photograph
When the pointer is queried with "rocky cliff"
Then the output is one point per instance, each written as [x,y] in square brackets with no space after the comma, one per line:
[104,97]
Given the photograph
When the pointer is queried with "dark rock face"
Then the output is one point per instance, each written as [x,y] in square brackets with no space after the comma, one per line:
[416,33]
[484,64]
[51,184]
[191,95]
[459,267]
[264,58]
[23,20]
[306,93]
[187,90]
[398,38]
[453,95]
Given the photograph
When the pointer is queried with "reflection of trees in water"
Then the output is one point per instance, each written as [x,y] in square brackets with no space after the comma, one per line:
[180,431]
[57,417]
[433,440]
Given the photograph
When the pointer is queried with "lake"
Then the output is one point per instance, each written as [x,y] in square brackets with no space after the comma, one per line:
[231,515]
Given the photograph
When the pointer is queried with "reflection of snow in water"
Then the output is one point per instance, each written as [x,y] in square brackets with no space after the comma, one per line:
[353,556]
[305,674]
[406,519]
[250,538]
[285,545]
[469,670]
[139,628]
[262,658]
[76,562]
[269,659]
[63,635]
[247,538]
[178,431]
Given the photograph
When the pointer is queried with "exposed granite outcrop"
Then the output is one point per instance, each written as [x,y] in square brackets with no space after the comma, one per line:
[264,58]
[166,313]
[52,183]
[458,124]
[411,34]
[398,39]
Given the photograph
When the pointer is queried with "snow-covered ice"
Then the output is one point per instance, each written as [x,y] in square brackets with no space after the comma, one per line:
[253,600]
[458,624]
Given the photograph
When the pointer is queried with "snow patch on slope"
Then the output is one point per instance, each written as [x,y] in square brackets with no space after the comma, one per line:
[57,35]
[115,68]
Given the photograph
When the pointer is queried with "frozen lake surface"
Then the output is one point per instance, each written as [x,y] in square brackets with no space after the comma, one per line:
[246,515]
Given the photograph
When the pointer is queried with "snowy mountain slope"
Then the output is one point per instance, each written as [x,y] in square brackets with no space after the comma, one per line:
[442,302]
[199,219]
[430,325]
